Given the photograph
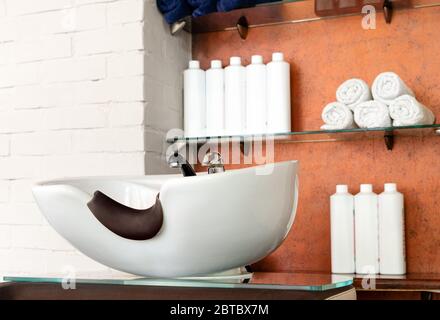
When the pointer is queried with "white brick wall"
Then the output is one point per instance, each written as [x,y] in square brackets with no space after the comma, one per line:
[87,87]
[125,11]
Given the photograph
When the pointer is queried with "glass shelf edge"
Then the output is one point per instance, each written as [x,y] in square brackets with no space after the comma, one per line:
[284,136]
[268,14]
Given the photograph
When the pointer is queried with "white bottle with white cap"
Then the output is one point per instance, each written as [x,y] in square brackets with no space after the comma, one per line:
[342,230]
[256,101]
[194,100]
[366,231]
[235,97]
[391,231]
[278,94]
[215,99]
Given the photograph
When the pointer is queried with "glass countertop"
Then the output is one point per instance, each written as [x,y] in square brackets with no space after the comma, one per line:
[257,280]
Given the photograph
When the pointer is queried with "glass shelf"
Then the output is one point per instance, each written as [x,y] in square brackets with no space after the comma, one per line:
[257,280]
[294,11]
[319,135]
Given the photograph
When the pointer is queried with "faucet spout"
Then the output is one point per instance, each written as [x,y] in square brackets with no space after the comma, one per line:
[176,160]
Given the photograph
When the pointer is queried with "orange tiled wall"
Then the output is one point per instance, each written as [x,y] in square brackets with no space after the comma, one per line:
[322,54]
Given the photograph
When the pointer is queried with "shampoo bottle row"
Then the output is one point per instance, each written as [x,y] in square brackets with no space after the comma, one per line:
[237,100]
[367,231]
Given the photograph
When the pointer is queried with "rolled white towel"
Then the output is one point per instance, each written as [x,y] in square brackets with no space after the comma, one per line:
[388,86]
[352,92]
[336,116]
[407,111]
[372,114]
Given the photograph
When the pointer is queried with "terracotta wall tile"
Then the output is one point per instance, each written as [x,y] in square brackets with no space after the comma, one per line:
[322,54]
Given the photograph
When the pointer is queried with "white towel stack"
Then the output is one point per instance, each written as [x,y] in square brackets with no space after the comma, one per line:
[336,116]
[353,92]
[388,86]
[407,111]
[389,103]
[372,114]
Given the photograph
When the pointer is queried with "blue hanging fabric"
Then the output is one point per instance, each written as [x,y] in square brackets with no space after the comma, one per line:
[203,7]
[228,5]
[174,10]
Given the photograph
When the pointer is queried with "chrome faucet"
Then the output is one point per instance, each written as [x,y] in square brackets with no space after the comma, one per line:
[214,162]
[176,160]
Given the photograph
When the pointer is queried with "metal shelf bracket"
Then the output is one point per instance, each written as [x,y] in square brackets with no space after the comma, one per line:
[243,27]
[387,10]
[389,140]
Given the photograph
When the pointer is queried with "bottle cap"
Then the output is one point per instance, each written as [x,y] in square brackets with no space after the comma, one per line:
[194,64]
[257,59]
[277,56]
[366,188]
[216,64]
[341,188]
[390,187]
[235,61]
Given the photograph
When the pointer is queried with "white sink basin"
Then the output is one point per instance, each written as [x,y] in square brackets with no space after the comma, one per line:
[211,223]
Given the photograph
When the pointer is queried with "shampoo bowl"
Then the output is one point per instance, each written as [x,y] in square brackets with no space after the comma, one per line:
[208,224]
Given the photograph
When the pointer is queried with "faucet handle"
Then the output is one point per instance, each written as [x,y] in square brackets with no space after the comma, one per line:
[214,161]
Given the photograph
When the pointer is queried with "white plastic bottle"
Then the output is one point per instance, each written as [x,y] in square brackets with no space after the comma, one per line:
[391,231]
[215,99]
[366,231]
[235,97]
[342,230]
[194,100]
[256,101]
[278,94]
